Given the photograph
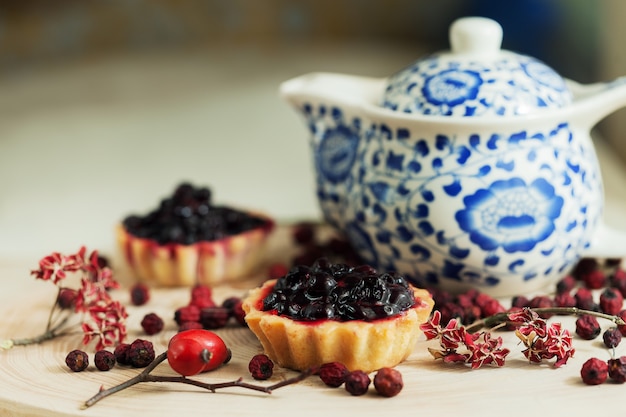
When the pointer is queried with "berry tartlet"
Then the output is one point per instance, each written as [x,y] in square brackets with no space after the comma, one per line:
[336,313]
[187,240]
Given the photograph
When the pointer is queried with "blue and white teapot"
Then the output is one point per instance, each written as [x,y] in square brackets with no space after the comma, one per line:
[472,168]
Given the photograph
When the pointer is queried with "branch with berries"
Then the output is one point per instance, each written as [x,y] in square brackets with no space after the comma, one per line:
[101,318]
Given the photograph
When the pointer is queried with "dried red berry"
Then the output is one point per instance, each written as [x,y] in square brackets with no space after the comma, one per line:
[239,314]
[595,279]
[261,367]
[230,302]
[617,369]
[594,371]
[202,296]
[67,298]
[585,266]
[189,325]
[357,382]
[333,374]
[121,353]
[388,382]
[214,317]
[104,360]
[565,284]
[520,301]
[584,299]
[612,337]
[587,327]
[152,323]
[564,299]
[139,294]
[611,301]
[542,301]
[141,353]
[187,313]
[618,280]
[77,360]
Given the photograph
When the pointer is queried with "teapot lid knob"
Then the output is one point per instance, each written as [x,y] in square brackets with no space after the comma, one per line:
[476,36]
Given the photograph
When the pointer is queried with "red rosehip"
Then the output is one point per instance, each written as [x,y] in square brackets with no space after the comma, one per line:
[594,371]
[191,352]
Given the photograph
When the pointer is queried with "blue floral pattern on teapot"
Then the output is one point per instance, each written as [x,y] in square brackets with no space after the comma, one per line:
[466,208]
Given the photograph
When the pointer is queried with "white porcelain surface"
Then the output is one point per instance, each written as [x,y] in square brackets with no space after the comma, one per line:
[504,203]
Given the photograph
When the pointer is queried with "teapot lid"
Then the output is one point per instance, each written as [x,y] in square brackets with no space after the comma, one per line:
[476,78]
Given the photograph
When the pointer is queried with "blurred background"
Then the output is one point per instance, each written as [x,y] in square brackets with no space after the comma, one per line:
[105,106]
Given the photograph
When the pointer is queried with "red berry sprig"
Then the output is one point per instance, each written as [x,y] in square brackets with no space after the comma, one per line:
[102,318]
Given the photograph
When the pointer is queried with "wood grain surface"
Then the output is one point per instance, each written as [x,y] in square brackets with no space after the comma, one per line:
[34,380]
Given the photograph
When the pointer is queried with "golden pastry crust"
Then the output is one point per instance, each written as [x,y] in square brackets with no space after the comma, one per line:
[358,344]
[226,260]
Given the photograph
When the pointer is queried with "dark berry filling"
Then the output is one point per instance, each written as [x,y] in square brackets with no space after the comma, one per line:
[188,216]
[339,292]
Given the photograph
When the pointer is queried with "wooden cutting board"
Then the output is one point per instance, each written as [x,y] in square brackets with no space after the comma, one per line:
[34,380]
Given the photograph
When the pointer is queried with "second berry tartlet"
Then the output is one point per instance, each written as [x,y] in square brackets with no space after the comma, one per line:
[187,240]
[336,313]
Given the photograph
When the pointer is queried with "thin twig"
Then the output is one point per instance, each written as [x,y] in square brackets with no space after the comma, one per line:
[145,376]
[500,318]
[47,335]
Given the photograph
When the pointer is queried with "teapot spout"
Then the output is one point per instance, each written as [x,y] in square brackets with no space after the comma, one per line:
[593,102]
[332,89]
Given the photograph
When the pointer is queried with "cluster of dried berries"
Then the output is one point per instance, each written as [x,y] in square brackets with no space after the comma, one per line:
[387,381]
[138,354]
[577,289]
[103,319]
[78,360]
[596,371]
[203,313]
[466,307]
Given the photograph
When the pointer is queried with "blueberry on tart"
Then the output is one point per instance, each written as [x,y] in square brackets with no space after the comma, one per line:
[337,313]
